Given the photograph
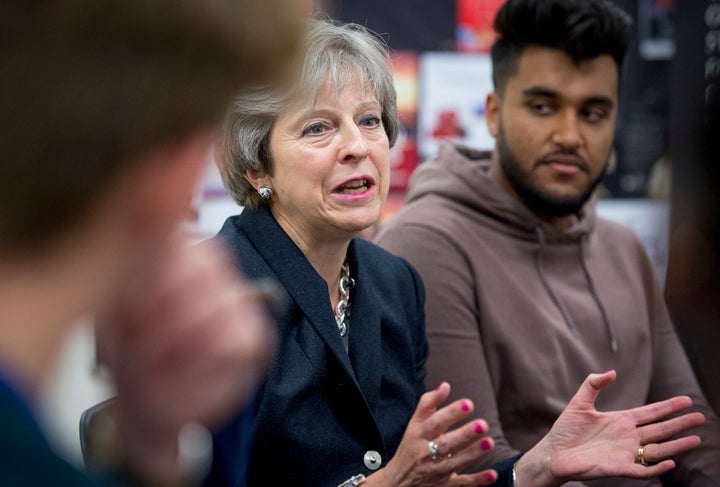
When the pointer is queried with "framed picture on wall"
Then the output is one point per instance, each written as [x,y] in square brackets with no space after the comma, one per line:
[454,87]
[474,31]
[656,29]
[404,154]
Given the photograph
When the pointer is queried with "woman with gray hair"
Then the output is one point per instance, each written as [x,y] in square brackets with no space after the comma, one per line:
[344,401]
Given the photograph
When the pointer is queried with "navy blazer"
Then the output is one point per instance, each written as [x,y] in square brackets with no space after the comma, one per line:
[322,408]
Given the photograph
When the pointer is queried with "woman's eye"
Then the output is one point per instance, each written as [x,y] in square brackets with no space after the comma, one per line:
[314,129]
[370,121]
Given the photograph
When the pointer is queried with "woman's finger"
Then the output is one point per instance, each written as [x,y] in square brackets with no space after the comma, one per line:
[459,460]
[458,449]
[486,477]
[461,438]
[429,402]
[442,419]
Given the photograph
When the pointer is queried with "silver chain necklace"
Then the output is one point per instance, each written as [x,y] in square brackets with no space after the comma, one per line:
[341,312]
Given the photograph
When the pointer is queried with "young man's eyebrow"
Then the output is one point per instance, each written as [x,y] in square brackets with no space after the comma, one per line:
[548,93]
[540,91]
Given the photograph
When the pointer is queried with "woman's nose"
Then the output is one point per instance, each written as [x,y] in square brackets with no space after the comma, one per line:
[354,145]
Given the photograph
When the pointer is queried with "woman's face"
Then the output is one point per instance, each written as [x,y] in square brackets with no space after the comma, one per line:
[330,165]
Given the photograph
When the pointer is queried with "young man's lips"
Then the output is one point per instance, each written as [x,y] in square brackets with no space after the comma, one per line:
[565,164]
[565,168]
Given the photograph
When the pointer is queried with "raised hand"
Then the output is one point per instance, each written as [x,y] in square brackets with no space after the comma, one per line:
[585,443]
[430,455]
[186,344]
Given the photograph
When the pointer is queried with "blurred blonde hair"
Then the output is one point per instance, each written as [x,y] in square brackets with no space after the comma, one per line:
[90,86]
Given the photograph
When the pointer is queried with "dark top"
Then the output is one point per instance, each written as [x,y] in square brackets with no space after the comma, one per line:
[26,458]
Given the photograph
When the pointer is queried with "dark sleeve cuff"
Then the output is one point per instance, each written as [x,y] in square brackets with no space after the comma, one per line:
[504,470]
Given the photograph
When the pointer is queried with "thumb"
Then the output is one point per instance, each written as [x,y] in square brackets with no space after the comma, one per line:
[587,394]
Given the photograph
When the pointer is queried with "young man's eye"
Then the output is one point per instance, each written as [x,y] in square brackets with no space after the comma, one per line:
[541,108]
[594,114]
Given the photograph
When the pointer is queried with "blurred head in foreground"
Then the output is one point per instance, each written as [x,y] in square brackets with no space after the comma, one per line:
[96,94]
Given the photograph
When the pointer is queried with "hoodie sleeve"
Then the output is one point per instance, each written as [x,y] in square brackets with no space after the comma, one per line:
[457,353]
[456,349]
[673,376]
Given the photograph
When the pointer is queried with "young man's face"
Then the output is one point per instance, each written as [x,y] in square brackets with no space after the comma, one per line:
[554,125]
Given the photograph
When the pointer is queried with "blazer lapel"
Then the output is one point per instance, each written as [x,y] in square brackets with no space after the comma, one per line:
[297,275]
[365,331]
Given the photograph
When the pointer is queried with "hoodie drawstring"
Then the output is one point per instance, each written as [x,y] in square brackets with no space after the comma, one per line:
[546,285]
[560,306]
[608,326]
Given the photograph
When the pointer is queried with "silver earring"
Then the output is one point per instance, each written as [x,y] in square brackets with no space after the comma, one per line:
[265,192]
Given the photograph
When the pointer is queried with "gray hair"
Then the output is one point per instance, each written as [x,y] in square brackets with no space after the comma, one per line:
[333,52]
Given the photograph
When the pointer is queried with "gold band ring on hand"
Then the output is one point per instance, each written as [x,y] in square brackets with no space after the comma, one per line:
[640,457]
[433,449]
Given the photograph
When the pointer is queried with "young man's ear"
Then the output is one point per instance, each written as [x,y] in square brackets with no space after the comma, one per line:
[492,113]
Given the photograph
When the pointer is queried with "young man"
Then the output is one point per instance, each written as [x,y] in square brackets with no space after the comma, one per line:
[527,289]
[108,110]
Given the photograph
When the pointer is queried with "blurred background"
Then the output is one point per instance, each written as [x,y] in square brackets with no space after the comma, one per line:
[664,181]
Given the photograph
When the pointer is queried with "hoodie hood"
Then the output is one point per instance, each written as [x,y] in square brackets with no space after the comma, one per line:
[463,175]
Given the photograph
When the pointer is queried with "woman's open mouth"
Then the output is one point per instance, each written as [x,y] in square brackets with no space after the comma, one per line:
[354,186]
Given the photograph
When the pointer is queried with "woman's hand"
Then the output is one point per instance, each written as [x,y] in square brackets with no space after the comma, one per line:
[427,431]
[585,443]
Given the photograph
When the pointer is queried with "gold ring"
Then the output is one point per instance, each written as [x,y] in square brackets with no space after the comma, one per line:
[640,457]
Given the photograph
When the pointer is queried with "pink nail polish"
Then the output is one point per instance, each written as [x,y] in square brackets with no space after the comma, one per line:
[465,406]
[490,477]
[437,389]
[479,428]
[485,445]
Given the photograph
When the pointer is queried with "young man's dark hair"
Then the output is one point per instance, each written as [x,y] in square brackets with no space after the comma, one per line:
[583,29]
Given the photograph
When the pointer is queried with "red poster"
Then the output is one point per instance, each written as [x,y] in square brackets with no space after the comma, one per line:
[403,156]
[474,32]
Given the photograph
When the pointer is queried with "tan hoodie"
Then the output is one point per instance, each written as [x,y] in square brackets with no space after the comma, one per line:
[519,313]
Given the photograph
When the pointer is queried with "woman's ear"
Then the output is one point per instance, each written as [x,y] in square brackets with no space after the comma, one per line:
[257,177]
[492,112]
